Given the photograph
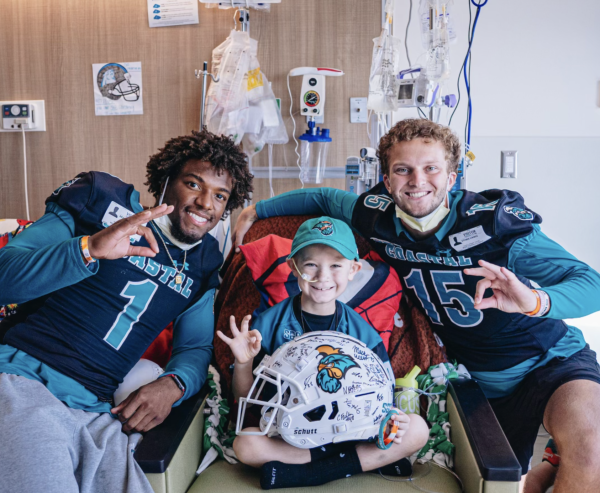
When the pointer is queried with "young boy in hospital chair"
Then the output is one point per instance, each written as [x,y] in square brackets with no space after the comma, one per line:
[324,259]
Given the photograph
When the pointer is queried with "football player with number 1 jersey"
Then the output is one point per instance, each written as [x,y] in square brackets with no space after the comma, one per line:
[468,260]
[100,278]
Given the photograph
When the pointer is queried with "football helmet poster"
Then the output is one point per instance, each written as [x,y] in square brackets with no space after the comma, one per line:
[320,388]
[118,88]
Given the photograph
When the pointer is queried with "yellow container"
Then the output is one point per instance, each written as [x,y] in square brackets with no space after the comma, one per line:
[405,397]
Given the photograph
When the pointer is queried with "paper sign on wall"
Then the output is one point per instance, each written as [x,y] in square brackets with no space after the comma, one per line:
[118,88]
[164,13]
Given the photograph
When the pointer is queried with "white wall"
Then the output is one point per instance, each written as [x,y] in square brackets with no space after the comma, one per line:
[536,88]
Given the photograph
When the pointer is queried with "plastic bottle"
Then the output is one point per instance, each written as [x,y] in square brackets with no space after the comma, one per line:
[314,147]
[405,397]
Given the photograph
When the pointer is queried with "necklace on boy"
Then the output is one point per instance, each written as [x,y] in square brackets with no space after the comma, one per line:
[332,326]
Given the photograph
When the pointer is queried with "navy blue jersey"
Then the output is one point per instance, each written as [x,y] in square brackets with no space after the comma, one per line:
[95,330]
[485,227]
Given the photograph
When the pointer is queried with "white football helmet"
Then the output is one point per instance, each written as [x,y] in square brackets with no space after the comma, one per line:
[329,387]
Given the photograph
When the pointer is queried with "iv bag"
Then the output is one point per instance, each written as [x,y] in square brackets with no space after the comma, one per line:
[424,7]
[242,103]
[227,100]
[265,124]
[435,32]
[385,65]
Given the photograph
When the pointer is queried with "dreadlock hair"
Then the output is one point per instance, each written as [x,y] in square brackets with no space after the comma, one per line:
[410,129]
[219,150]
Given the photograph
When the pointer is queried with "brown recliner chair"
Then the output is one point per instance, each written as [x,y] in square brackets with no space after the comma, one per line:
[483,459]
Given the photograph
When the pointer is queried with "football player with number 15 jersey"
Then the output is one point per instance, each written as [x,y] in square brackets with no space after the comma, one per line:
[468,259]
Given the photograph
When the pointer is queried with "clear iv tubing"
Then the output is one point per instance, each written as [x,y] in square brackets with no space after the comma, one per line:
[411,480]
[270,153]
[294,133]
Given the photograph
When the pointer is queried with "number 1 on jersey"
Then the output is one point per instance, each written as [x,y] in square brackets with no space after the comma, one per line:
[140,294]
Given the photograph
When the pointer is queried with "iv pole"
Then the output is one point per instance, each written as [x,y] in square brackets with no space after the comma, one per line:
[204,73]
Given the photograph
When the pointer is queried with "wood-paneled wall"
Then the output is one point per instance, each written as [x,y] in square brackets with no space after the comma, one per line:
[47,48]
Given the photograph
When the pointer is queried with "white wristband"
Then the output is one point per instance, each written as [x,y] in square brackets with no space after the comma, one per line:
[544,303]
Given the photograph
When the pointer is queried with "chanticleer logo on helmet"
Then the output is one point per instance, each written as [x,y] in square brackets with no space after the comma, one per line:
[325,227]
[332,368]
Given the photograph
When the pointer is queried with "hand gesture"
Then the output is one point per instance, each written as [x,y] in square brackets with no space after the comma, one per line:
[245,221]
[245,344]
[113,242]
[510,294]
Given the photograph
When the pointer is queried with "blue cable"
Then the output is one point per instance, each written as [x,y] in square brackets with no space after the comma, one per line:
[470,105]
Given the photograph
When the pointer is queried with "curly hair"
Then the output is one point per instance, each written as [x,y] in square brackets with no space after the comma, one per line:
[219,150]
[412,128]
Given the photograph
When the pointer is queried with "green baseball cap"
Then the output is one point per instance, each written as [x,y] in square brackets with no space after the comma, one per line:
[326,231]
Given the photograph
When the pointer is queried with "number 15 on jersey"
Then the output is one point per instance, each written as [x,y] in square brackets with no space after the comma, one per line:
[465,316]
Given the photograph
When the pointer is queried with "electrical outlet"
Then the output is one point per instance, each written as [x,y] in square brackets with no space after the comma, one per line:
[16,113]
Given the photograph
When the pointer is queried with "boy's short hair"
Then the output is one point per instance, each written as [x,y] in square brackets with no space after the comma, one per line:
[325,231]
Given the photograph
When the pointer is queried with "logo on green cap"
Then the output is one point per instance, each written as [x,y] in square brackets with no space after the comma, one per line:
[325,227]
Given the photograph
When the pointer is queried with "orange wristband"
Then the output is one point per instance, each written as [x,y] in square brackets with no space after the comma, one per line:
[537,306]
[85,251]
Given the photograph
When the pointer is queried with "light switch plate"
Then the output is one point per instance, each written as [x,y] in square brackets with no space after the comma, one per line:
[508,164]
[358,110]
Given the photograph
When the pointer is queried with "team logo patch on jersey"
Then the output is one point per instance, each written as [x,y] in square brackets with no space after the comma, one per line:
[325,227]
[468,238]
[332,368]
[522,214]
[443,252]
[64,185]
[490,206]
